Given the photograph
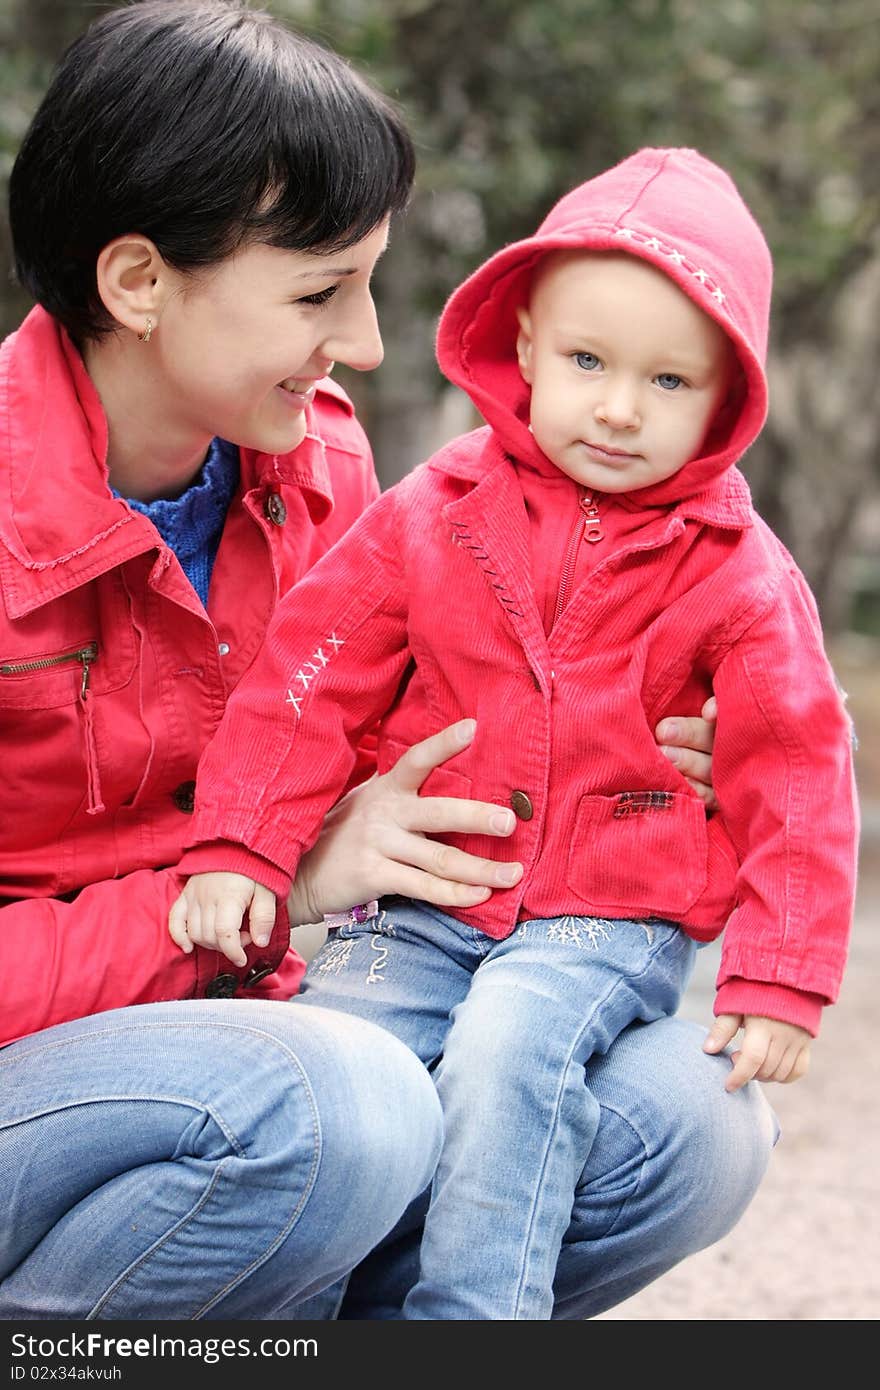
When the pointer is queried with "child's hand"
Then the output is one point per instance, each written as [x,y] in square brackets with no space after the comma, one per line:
[771,1051]
[209,913]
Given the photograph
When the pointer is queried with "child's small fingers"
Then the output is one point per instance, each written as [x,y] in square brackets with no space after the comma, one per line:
[774,1061]
[177,925]
[723,1030]
[794,1064]
[226,922]
[261,916]
[743,1070]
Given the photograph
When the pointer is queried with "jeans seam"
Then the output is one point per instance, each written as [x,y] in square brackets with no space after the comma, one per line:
[646,1154]
[282,1235]
[598,1004]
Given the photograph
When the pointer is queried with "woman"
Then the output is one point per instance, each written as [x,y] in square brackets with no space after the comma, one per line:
[197,209]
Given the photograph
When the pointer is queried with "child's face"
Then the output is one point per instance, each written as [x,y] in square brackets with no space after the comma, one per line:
[239,348]
[627,373]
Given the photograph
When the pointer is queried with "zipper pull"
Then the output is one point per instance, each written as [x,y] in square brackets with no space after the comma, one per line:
[592,520]
[86,656]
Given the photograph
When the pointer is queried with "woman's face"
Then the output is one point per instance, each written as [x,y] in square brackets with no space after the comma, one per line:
[237,349]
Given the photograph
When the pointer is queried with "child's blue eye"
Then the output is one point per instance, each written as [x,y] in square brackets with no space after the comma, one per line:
[669,381]
[587,361]
[321,297]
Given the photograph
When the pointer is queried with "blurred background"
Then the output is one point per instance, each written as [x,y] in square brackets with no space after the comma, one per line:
[511,103]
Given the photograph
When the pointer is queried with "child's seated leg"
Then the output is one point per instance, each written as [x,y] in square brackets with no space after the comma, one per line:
[519,1118]
[403,969]
[642,1201]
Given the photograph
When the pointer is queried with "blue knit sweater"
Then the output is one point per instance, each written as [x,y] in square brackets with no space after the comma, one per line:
[192,523]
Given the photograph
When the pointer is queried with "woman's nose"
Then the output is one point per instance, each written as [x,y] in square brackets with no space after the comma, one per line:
[356,339]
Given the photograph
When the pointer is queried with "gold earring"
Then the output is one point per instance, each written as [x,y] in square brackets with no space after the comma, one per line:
[147,333]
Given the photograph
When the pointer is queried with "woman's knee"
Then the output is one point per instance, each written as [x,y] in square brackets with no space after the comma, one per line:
[700,1152]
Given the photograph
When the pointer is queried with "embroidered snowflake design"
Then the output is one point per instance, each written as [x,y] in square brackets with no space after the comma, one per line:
[334,957]
[652,243]
[582,932]
[307,672]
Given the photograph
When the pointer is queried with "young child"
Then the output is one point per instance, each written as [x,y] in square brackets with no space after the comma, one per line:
[566,575]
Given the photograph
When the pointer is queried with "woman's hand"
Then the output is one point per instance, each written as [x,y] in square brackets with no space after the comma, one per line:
[374,841]
[687,744]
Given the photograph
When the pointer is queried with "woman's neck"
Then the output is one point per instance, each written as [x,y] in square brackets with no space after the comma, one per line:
[149,453]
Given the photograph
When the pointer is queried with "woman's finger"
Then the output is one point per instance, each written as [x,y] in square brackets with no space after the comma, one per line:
[695,766]
[413,766]
[447,862]
[678,731]
[408,882]
[443,815]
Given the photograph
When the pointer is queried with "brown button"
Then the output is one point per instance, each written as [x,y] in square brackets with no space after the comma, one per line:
[221,987]
[521,804]
[258,971]
[274,509]
[184,797]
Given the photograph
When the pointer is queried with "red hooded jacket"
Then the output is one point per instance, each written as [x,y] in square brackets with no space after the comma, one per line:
[431,610]
[113,678]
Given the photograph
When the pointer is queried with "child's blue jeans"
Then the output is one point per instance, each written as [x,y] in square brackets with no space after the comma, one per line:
[511,1026]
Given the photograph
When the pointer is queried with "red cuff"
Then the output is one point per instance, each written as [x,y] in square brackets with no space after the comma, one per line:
[788,1005]
[222,856]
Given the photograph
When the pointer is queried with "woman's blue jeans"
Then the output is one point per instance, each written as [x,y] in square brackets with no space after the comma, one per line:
[228,1159]
[203,1159]
[510,1028]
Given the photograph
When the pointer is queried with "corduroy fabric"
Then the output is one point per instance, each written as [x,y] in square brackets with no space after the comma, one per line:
[95,791]
[427,612]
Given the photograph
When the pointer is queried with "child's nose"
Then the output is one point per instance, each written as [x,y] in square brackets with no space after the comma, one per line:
[618,407]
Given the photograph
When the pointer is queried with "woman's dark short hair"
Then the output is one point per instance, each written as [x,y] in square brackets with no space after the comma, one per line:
[205,126]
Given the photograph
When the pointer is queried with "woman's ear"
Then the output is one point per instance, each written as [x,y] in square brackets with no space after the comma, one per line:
[524,344]
[130,276]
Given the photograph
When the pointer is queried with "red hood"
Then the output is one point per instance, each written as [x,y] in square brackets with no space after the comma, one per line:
[671,207]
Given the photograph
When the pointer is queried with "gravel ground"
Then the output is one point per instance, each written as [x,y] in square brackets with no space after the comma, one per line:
[809,1245]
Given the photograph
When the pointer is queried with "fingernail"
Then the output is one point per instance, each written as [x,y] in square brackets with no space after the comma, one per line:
[502,821]
[465,731]
[671,729]
[670,753]
[509,874]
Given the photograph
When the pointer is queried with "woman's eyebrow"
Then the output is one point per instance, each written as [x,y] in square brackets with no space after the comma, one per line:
[325,270]
[335,269]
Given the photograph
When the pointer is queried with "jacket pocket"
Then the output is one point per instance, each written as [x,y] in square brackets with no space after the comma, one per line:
[639,852]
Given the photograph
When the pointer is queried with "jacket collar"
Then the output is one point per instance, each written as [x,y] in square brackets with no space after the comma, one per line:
[62,526]
[726,502]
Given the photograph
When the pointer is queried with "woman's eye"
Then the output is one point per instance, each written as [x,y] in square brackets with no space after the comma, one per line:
[587,361]
[669,381]
[321,297]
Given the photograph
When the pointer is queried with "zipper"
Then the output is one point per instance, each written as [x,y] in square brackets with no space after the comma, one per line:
[86,654]
[588,527]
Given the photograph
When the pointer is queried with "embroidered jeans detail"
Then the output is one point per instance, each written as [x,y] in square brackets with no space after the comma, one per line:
[583,932]
[377,965]
[334,956]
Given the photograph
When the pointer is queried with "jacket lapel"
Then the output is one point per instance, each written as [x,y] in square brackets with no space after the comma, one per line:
[490,526]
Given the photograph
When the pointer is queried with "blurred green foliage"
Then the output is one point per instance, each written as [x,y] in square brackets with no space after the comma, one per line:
[512,102]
